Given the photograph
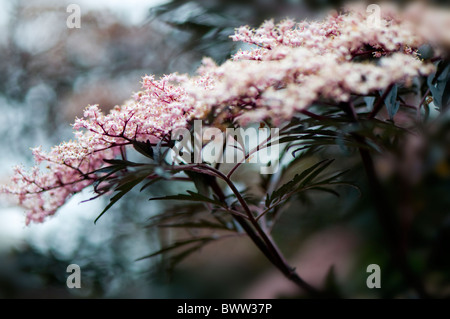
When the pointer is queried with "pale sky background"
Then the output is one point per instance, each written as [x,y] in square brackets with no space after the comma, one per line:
[74,217]
[133,11]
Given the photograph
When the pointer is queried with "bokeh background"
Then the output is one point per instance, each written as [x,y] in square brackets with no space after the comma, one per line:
[49,74]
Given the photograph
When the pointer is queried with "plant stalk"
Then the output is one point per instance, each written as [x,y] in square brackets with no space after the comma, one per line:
[263,240]
[385,213]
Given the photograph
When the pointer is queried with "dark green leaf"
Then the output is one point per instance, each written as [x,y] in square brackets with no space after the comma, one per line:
[327,190]
[196,197]
[122,190]
[185,211]
[175,260]
[200,224]
[178,244]
[315,170]
[391,102]
[144,148]
[312,171]
[201,182]
[154,180]
[439,85]
[121,162]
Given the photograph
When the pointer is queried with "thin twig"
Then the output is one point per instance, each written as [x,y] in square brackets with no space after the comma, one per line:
[377,107]
[314,116]
[427,92]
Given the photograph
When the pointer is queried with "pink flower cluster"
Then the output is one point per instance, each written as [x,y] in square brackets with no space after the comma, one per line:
[67,169]
[292,66]
[295,64]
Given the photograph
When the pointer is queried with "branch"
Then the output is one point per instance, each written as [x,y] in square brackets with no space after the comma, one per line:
[262,240]
[377,107]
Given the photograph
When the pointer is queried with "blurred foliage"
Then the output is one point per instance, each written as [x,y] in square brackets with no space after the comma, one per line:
[209,24]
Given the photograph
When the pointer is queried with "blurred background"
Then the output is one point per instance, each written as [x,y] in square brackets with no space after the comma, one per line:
[50,73]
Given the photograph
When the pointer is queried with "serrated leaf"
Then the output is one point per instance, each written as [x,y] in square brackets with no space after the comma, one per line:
[391,102]
[291,185]
[143,171]
[106,176]
[113,200]
[185,211]
[201,182]
[177,245]
[196,197]
[122,190]
[326,190]
[122,162]
[200,224]
[333,178]
[156,179]
[175,260]
[107,169]
[316,171]
[144,148]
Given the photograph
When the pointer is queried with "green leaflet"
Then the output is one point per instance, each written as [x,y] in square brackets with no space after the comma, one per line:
[191,196]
